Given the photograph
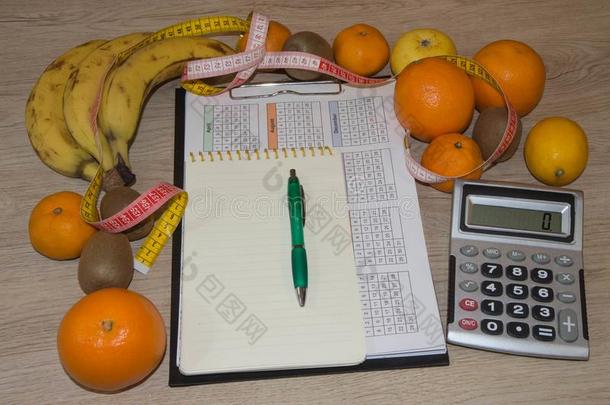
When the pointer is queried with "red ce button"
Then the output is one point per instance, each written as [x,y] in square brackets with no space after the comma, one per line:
[468,304]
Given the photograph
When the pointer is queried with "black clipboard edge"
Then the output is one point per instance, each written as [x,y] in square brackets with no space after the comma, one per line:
[176,378]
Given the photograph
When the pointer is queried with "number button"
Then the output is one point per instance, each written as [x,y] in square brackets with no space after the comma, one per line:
[544,333]
[518,329]
[469,250]
[517,273]
[492,253]
[543,313]
[492,307]
[541,258]
[517,291]
[517,310]
[542,276]
[491,270]
[491,288]
[542,294]
[492,326]
[469,267]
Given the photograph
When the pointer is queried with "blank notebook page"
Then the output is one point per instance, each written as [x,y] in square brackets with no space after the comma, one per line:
[238,309]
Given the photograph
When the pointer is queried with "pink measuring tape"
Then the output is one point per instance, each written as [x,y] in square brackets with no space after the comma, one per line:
[255,57]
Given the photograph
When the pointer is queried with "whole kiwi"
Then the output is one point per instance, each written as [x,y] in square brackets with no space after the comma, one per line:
[106,261]
[310,42]
[118,198]
[488,131]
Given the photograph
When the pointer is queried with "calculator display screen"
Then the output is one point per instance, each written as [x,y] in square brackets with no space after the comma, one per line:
[515,218]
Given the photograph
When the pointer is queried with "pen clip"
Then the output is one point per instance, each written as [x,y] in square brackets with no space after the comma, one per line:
[303,204]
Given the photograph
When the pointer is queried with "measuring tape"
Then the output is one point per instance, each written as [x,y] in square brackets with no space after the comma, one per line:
[255,57]
[244,65]
[146,205]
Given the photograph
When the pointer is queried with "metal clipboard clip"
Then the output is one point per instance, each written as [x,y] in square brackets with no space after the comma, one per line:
[266,90]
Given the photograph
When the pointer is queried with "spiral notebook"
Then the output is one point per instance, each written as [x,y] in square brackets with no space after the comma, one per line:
[239,311]
[375,307]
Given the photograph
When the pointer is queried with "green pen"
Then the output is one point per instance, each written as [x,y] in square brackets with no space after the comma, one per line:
[296,208]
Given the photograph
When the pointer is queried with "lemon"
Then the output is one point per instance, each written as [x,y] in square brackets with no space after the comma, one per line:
[556,151]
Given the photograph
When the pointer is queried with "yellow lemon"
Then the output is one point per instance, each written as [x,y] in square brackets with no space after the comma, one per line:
[556,151]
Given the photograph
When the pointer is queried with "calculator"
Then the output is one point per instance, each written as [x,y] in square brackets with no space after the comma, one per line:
[516,280]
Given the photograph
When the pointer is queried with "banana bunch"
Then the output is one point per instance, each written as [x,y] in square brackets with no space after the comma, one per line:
[45,122]
[84,110]
[128,86]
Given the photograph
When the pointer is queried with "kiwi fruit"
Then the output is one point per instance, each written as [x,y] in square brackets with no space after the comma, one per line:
[118,198]
[106,261]
[310,42]
[488,131]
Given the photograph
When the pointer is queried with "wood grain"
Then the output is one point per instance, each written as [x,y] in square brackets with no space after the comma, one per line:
[573,39]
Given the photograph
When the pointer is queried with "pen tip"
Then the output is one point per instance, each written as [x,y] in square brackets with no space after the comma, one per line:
[301,294]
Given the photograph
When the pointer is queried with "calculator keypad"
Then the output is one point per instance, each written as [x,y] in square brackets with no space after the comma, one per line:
[518,295]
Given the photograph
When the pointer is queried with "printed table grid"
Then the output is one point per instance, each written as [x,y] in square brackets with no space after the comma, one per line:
[376,242]
[297,124]
[369,176]
[356,122]
[386,306]
[228,127]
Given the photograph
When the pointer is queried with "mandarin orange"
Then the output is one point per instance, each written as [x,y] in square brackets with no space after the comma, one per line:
[361,49]
[111,339]
[56,228]
[433,97]
[453,155]
[518,69]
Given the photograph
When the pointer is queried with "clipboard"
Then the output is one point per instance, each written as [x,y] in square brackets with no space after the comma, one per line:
[252,93]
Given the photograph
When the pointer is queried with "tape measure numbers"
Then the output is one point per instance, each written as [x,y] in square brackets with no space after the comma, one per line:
[146,205]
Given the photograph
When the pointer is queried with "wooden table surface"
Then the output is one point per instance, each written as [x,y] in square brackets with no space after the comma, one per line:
[571,36]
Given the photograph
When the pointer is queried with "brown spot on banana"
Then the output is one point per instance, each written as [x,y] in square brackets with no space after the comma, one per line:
[218,47]
[56,65]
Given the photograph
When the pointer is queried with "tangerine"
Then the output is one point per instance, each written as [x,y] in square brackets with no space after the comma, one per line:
[433,97]
[453,155]
[277,34]
[56,228]
[111,339]
[518,69]
[361,49]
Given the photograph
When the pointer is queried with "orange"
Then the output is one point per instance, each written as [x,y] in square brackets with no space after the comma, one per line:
[520,72]
[556,151]
[277,34]
[453,155]
[56,228]
[361,49]
[433,97]
[111,339]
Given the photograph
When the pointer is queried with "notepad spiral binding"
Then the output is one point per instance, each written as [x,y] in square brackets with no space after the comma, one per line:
[258,154]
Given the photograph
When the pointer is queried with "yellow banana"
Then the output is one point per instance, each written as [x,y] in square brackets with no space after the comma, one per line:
[129,84]
[44,117]
[83,92]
